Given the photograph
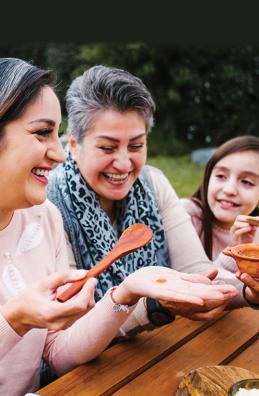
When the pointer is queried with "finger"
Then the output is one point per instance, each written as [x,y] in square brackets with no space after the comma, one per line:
[172,296]
[209,315]
[83,300]
[60,278]
[250,282]
[242,231]
[218,282]
[196,278]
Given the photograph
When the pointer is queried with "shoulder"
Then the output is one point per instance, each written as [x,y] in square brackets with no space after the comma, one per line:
[191,207]
[162,188]
[154,171]
[158,178]
[47,211]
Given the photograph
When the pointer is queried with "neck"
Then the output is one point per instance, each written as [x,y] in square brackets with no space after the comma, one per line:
[225,226]
[109,208]
[5,218]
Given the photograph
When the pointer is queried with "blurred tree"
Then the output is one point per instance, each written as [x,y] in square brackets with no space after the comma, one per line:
[204,95]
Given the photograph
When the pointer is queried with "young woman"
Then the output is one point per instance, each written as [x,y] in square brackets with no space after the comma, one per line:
[224,209]
[104,186]
[33,260]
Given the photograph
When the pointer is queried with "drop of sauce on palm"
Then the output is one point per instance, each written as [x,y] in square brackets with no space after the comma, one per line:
[161,280]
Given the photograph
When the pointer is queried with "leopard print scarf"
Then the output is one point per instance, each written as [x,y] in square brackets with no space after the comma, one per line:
[89,228]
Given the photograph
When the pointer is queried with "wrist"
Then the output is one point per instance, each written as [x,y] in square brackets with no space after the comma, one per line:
[14,318]
[157,314]
[121,296]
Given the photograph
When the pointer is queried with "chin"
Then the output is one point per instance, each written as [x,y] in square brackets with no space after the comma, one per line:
[37,199]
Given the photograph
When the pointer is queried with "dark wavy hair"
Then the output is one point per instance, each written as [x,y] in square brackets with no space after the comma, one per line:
[20,82]
[200,197]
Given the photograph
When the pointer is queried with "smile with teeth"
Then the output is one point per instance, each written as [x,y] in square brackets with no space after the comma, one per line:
[41,172]
[227,203]
[116,176]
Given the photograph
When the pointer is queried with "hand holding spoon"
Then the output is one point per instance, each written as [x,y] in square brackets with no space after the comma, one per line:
[133,238]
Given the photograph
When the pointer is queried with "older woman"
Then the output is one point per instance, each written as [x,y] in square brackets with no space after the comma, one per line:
[104,187]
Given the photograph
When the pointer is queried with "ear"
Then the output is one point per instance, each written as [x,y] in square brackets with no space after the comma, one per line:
[73,145]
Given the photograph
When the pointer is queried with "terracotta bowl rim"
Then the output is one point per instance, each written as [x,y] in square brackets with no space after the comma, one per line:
[243,246]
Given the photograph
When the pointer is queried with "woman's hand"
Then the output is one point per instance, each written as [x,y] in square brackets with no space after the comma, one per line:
[37,307]
[242,231]
[173,287]
[252,287]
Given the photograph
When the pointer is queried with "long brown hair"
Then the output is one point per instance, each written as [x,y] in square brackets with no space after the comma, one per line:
[200,197]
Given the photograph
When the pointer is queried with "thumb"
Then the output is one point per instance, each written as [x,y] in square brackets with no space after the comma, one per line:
[60,278]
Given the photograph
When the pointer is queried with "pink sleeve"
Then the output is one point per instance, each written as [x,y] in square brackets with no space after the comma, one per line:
[86,338]
[226,262]
[195,212]
[8,337]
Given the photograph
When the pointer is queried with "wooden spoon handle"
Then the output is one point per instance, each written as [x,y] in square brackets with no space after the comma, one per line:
[76,286]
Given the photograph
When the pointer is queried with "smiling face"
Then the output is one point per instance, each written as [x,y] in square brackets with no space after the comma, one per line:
[112,154]
[28,150]
[234,187]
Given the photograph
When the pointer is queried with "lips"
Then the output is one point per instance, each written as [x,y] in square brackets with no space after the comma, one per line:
[116,177]
[41,174]
[225,204]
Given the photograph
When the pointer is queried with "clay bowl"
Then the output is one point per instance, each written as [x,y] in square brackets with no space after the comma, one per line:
[244,384]
[246,256]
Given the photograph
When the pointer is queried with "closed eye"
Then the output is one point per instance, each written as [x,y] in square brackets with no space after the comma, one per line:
[44,132]
[108,149]
[136,147]
[248,182]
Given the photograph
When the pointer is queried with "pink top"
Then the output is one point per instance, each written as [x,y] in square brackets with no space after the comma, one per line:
[32,246]
[221,236]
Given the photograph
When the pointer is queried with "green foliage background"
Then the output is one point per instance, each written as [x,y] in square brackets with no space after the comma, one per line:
[204,95]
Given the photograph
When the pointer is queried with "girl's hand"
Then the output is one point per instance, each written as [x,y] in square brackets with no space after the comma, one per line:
[252,287]
[37,307]
[171,286]
[242,231]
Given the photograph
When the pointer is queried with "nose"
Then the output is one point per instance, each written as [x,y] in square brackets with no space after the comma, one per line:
[122,162]
[56,152]
[230,187]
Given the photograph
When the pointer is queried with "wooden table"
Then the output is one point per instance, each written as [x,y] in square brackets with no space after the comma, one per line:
[155,361]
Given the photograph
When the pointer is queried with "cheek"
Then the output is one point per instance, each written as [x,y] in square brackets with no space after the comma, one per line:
[251,199]
[140,159]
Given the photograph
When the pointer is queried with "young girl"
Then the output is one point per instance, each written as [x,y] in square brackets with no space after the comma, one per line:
[222,207]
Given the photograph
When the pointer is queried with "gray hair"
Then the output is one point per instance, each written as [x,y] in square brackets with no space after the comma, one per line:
[101,88]
[20,82]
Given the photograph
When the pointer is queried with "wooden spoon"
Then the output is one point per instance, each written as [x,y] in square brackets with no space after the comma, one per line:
[253,220]
[133,238]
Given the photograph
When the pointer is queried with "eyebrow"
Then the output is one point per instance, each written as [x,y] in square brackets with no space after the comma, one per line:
[117,140]
[45,120]
[253,174]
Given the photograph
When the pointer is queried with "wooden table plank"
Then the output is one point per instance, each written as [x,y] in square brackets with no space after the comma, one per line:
[249,358]
[209,348]
[128,359]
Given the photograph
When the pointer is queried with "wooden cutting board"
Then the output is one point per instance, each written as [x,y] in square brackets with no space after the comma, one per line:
[212,380]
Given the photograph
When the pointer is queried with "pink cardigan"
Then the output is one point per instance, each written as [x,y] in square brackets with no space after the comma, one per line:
[33,246]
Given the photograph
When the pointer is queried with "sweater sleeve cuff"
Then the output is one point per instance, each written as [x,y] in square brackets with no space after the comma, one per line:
[226,262]
[138,321]
[8,337]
